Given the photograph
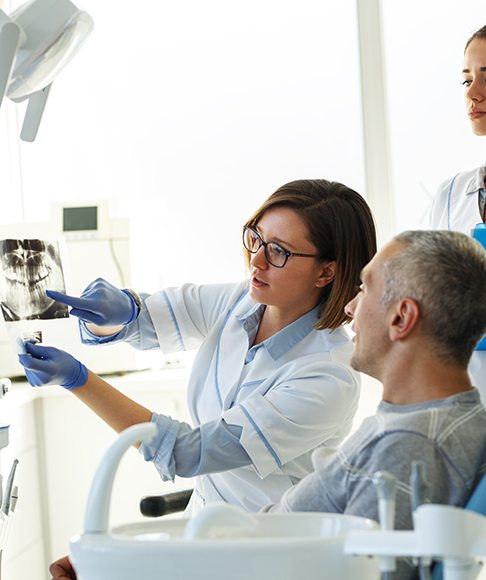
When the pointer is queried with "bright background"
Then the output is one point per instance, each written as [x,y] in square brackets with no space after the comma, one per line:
[183,117]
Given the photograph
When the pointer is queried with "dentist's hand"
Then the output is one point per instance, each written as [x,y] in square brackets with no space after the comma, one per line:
[101,304]
[46,365]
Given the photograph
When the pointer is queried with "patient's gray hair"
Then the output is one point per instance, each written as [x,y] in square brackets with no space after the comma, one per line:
[445,272]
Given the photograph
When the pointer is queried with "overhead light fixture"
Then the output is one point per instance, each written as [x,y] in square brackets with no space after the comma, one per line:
[36,42]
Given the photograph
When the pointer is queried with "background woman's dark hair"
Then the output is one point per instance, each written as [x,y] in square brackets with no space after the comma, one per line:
[479,34]
[341,226]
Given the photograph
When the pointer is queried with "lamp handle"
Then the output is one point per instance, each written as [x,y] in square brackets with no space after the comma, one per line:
[33,114]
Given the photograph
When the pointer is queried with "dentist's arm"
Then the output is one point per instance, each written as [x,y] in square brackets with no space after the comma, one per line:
[46,365]
[178,448]
[115,408]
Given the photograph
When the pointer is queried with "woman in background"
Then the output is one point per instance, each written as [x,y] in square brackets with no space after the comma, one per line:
[460,203]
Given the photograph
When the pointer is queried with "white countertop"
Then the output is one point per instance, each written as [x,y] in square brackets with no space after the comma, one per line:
[160,379]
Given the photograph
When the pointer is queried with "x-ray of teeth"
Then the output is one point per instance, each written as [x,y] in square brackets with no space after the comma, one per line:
[29,268]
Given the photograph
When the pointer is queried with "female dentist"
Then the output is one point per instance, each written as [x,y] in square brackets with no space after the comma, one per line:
[460,201]
[271,380]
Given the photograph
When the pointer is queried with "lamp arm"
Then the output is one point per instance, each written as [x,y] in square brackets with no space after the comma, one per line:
[10,33]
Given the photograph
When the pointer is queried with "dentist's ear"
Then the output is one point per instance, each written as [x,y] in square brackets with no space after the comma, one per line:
[327,274]
[404,316]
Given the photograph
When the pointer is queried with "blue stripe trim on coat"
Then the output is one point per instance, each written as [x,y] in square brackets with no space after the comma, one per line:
[449,195]
[261,435]
[174,319]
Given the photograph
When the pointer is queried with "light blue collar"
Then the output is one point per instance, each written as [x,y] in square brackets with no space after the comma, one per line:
[281,342]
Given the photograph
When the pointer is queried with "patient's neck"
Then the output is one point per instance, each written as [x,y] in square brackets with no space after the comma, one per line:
[421,378]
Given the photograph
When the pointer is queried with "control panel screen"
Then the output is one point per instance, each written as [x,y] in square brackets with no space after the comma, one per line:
[76,219]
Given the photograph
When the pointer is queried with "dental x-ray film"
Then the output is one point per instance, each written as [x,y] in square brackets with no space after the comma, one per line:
[28,269]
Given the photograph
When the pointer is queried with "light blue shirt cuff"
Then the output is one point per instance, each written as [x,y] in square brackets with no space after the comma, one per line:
[179,449]
[160,448]
[212,447]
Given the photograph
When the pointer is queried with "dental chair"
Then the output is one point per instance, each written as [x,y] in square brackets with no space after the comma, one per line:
[218,543]
[476,503]
[160,505]
[260,546]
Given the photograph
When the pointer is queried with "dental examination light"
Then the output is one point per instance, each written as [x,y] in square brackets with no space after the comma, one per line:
[36,42]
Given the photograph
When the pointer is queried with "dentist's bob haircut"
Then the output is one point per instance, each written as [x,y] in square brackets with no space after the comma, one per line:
[341,227]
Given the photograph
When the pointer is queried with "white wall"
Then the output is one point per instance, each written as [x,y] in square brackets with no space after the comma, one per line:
[188,115]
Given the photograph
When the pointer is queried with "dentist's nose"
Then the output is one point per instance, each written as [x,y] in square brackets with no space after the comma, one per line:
[259,260]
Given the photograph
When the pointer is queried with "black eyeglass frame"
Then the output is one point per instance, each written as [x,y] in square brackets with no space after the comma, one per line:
[287,253]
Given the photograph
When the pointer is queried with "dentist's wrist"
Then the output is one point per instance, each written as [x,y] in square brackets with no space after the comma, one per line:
[79,378]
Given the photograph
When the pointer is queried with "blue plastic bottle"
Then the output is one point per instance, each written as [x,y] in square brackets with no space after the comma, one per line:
[479,234]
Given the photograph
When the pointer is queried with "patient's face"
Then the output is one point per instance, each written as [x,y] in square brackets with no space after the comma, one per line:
[370,316]
[29,268]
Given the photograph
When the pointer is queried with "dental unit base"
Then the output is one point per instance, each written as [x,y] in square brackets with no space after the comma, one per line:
[222,542]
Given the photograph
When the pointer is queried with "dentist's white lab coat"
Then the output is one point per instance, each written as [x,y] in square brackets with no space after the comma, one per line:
[286,396]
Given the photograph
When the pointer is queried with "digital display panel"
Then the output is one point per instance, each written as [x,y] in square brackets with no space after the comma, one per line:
[75,219]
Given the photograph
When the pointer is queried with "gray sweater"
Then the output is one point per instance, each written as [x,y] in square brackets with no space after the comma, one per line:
[449,435]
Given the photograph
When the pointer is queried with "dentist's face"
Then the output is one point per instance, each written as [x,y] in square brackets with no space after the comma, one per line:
[29,268]
[296,288]
[474,81]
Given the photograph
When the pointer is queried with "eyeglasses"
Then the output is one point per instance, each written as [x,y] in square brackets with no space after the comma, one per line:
[274,253]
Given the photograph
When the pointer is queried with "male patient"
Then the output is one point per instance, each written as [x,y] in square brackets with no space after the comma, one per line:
[419,313]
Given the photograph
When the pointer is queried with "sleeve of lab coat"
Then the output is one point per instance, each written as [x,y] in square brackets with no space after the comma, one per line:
[296,415]
[182,317]
[174,319]
[179,449]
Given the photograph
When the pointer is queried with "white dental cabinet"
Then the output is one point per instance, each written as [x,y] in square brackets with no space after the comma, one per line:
[59,443]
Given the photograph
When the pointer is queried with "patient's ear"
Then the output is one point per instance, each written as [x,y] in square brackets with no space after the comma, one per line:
[405,315]
[327,275]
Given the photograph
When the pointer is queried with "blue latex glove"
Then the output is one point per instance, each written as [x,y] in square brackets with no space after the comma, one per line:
[46,365]
[101,303]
